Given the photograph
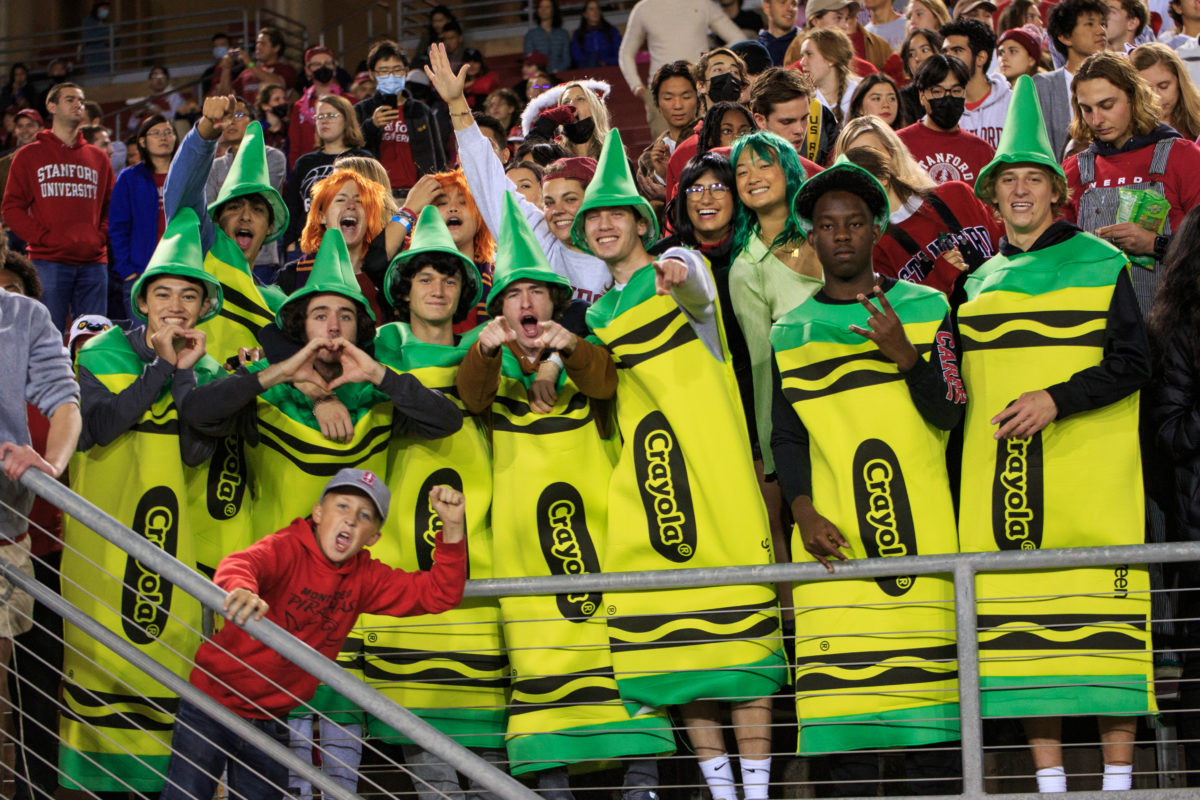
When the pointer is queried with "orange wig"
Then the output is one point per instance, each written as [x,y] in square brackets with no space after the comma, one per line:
[370,195]
[485,245]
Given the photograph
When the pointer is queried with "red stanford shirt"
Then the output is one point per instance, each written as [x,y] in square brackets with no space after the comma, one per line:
[954,156]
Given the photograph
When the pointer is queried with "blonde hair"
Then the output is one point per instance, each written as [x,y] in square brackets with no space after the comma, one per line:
[903,165]
[935,7]
[372,170]
[836,48]
[1185,117]
[599,117]
[370,196]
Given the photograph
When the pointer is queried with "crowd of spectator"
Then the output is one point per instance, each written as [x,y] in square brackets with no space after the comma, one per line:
[979,220]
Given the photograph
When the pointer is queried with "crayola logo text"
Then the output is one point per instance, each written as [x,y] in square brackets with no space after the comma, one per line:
[662,480]
[226,479]
[884,515]
[567,546]
[146,595]
[1017,500]
[426,523]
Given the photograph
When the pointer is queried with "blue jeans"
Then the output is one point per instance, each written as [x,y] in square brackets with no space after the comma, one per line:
[71,291]
[201,748]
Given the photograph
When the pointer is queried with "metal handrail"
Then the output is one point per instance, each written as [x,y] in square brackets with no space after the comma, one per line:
[299,653]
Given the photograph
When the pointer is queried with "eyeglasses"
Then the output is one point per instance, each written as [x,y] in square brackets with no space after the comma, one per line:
[540,86]
[395,71]
[937,92]
[327,116]
[166,134]
[697,190]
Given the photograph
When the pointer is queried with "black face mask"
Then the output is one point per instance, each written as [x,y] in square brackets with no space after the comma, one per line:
[946,111]
[724,88]
[280,110]
[322,74]
[580,131]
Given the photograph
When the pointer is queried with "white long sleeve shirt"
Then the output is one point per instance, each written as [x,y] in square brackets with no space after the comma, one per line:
[671,30]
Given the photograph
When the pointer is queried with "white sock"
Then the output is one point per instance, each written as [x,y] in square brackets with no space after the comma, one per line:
[756,777]
[1118,777]
[1052,779]
[718,774]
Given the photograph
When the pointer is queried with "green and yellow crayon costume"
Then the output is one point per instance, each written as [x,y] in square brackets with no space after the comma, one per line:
[116,726]
[683,492]
[293,460]
[1071,641]
[450,669]
[551,482]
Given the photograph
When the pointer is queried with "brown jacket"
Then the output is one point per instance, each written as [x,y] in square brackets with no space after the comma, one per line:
[590,367]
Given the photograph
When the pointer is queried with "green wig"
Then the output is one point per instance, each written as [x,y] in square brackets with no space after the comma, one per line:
[774,148]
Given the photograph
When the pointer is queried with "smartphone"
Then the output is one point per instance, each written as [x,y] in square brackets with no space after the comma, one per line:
[389,100]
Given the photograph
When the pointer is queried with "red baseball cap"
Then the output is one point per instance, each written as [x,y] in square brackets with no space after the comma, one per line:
[31,114]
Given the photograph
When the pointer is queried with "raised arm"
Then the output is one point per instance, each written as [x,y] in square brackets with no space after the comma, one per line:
[192,163]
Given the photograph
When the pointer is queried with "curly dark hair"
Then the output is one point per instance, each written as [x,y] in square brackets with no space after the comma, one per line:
[1177,302]
[710,129]
[23,268]
[293,316]
[444,263]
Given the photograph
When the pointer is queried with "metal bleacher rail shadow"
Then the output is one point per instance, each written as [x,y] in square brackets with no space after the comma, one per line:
[962,567]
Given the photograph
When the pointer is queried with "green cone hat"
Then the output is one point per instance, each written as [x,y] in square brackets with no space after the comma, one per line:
[249,175]
[179,253]
[519,255]
[846,176]
[1023,139]
[430,235]
[613,185]
[332,273]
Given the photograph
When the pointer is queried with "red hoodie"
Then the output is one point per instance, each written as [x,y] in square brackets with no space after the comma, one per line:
[318,603]
[57,200]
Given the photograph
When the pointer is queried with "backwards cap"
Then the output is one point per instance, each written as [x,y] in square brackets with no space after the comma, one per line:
[844,176]
[612,186]
[1023,139]
[430,235]
[519,256]
[249,175]
[332,273]
[180,254]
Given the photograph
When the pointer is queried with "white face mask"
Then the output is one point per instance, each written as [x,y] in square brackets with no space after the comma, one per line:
[219,51]
[102,13]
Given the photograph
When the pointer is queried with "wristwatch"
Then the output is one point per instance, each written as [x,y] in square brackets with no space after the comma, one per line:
[1161,243]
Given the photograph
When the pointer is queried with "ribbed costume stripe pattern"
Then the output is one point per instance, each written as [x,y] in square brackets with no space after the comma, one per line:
[291,465]
[450,669]
[551,477]
[683,494]
[875,659]
[116,724]
[1032,320]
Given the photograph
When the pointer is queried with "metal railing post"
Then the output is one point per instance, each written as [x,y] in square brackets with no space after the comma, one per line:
[282,754]
[969,705]
[302,655]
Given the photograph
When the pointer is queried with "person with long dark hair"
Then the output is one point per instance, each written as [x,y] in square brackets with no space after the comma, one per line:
[724,123]
[136,219]
[920,45]
[878,95]
[1173,404]
[596,41]
[548,36]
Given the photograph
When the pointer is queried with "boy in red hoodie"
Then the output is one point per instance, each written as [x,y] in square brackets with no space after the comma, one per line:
[313,578]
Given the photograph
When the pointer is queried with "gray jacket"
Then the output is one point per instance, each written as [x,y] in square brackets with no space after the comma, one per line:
[37,370]
[1055,99]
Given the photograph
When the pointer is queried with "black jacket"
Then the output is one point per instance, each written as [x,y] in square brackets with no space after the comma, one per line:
[1174,424]
[428,130]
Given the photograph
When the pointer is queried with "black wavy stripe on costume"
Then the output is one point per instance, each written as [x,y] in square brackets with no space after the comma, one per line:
[168,427]
[679,338]
[766,627]
[442,676]
[450,669]
[1058,622]
[644,623]
[645,333]
[859,379]
[232,297]
[518,417]
[1019,339]
[123,712]
[819,370]
[325,461]
[400,655]
[866,659]
[1051,319]
[1029,640]
[583,696]
[891,676]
